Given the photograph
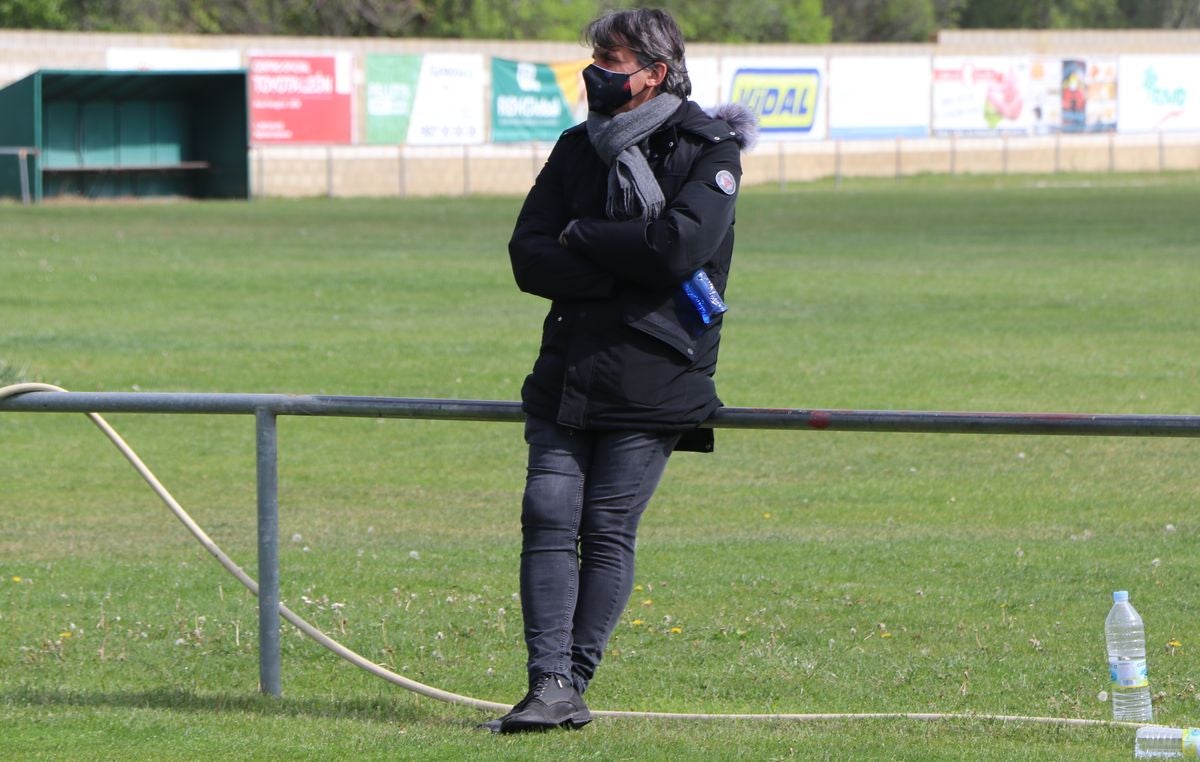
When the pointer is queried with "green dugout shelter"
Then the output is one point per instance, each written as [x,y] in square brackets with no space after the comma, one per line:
[102,134]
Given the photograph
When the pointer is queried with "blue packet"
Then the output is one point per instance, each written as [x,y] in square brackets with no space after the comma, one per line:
[704,297]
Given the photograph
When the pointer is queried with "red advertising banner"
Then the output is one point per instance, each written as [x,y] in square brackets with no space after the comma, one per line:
[300,99]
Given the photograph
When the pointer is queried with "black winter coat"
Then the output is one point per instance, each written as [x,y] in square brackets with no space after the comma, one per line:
[622,347]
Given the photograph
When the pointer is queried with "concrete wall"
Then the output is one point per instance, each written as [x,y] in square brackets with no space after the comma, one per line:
[343,171]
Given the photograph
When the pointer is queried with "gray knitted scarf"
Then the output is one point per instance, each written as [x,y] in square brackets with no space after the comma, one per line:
[633,190]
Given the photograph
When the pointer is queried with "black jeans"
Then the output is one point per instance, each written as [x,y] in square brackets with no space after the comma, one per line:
[585,492]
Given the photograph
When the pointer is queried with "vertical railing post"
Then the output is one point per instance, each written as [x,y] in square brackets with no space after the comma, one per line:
[837,163]
[466,170]
[23,171]
[402,171]
[268,552]
[262,172]
[329,171]
[782,167]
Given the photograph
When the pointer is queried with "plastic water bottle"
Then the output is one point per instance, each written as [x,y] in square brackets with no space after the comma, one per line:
[703,296]
[1126,639]
[1154,742]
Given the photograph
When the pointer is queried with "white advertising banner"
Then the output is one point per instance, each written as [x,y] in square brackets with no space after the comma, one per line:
[786,94]
[450,103]
[1073,95]
[879,96]
[705,74]
[981,95]
[1159,93]
[1046,95]
[172,59]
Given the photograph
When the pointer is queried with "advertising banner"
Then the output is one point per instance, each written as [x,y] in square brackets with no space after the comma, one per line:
[879,96]
[705,74]
[536,101]
[1073,95]
[450,103]
[391,90]
[300,98]
[985,95]
[429,100]
[1159,93]
[172,59]
[786,94]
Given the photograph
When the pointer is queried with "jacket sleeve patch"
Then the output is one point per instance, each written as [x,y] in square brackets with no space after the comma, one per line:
[726,182]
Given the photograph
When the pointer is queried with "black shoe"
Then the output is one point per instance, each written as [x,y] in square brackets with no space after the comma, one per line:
[495,725]
[552,702]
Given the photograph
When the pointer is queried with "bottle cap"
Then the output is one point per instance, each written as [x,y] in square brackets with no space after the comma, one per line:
[1120,596]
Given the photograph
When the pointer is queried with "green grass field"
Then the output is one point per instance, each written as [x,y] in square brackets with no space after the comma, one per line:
[790,572]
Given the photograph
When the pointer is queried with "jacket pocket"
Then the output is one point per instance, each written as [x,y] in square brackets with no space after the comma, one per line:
[667,331]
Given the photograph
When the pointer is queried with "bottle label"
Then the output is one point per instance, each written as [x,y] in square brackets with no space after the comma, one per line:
[703,295]
[1191,743]
[1128,673]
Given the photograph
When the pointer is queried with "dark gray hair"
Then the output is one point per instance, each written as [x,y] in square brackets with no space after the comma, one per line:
[652,35]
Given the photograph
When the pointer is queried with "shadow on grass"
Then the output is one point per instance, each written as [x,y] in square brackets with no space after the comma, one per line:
[176,700]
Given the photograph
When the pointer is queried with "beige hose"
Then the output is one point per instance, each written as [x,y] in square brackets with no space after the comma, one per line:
[455,698]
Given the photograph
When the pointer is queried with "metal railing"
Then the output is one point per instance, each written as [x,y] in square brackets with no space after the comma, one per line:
[267,407]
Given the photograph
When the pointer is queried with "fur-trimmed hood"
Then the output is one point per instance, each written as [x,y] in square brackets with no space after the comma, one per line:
[742,120]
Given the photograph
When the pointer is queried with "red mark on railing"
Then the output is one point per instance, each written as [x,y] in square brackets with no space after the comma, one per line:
[819,419]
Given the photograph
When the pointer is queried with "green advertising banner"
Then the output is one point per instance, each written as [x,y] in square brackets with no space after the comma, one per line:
[535,101]
[391,90]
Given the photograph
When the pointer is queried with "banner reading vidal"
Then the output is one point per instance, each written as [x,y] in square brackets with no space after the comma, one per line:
[300,98]
[985,95]
[786,94]
[1159,94]
[535,101]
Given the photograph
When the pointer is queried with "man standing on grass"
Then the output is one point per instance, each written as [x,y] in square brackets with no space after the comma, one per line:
[628,230]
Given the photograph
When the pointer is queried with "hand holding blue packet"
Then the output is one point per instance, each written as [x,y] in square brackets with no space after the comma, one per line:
[703,296]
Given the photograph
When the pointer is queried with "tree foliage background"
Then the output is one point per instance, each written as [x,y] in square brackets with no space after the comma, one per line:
[801,21]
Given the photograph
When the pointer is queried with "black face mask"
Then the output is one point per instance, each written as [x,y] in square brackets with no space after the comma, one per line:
[607,90]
